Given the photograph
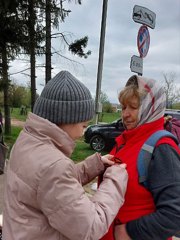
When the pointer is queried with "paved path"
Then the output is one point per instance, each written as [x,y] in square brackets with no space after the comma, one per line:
[17,123]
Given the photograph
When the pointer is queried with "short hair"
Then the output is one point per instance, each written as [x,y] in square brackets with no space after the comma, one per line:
[130,90]
[127,93]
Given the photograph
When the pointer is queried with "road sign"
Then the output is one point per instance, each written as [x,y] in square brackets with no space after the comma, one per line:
[136,64]
[143,41]
[144,16]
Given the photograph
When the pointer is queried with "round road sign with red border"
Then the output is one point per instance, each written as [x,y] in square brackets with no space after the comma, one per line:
[143,41]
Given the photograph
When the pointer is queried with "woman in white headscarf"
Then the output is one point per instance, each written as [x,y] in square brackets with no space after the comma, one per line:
[153,212]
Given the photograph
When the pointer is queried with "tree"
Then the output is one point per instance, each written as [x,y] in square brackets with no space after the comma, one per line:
[30,16]
[19,95]
[34,34]
[55,13]
[22,31]
[33,14]
[77,47]
[12,32]
[48,41]
[8,5]
[106,105]
[103,98]
[172,91]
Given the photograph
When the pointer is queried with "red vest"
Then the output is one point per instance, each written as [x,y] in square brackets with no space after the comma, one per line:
[138,200]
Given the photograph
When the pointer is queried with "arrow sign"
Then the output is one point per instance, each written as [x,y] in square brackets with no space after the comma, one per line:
[136,64]
[144,16]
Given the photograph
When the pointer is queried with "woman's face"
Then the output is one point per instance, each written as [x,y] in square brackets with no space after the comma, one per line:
[130,111]
[75,130]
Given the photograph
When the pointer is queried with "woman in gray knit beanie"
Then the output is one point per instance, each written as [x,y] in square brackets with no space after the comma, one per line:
[44,194]
[65,100]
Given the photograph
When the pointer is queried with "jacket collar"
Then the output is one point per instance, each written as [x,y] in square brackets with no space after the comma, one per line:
[47,131]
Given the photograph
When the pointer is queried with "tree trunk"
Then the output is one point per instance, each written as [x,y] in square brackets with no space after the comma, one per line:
[48,41]
[32,52]
[7,116]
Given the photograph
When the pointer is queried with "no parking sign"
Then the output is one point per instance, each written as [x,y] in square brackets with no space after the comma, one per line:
[143,41]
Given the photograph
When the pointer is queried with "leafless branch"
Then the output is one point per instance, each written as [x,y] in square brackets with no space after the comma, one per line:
[71,60]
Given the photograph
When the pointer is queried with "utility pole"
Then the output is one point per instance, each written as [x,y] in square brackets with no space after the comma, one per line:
[100,63]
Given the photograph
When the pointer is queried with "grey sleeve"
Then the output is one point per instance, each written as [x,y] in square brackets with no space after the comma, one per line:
[164,184]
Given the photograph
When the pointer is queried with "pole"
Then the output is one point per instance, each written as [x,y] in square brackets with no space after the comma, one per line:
[101,55]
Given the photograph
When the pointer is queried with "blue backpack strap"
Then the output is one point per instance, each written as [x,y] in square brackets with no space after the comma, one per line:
[146,151]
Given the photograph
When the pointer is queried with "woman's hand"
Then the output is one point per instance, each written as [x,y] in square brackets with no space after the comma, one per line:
[108,160]
[120,232]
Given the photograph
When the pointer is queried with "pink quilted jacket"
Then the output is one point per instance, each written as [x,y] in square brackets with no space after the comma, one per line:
[44,197]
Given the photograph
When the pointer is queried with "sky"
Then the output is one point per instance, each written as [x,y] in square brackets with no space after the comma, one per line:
[120,45]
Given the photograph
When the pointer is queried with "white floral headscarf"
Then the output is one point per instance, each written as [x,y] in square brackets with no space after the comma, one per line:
[153,102]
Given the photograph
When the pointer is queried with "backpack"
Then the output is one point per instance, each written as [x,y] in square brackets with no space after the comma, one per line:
[173,125]
[145,156]
[146,152]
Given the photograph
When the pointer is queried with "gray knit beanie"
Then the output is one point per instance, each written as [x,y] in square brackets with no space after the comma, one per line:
[65,99]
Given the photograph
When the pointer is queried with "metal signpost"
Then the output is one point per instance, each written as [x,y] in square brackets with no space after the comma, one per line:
[100,62]
[147,18]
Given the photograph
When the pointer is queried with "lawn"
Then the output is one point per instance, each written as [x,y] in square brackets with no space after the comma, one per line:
[109,117]
[16,113]
[103,117]
[10,139]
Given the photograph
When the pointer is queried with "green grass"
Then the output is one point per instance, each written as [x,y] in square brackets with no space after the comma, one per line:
[15,113]
[81,151]
[10,139]
[103,117]
[109,117]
